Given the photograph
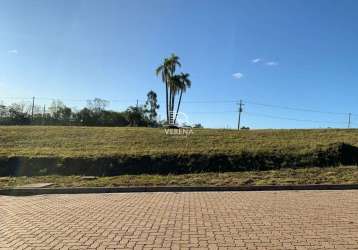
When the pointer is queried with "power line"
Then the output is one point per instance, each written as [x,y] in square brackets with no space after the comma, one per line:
[191,102]
[70,99]
[296,109]
[275,106]
[212,112]
[89,99]
[16,98]
[291,119]
[228,101]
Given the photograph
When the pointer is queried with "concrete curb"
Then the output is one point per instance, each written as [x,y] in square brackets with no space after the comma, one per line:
[89,190]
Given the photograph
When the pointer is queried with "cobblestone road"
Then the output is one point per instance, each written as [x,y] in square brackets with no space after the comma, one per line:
[207,220]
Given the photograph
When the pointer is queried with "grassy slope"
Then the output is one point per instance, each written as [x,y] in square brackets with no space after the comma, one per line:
[37,141]
[334,175]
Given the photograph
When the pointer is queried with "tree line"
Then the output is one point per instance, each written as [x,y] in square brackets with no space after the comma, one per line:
[95,113]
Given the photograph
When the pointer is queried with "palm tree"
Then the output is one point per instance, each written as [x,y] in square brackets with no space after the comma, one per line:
[167,70]
[173,63]
[164,71]
[183,83]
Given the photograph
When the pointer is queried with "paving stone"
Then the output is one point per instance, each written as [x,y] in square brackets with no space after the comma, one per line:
[189,220]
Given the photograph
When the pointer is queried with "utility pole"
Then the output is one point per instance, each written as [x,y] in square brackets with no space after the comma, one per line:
[137,103]
[349,119]
[32,108]
[43,114]
[240,111]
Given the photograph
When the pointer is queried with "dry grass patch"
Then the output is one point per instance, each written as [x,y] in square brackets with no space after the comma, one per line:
[314,175]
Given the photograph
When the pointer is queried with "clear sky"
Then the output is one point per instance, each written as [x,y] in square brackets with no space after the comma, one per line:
[291,53]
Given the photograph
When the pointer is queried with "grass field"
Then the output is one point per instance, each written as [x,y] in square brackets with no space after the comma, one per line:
[329,175]
[37,141]
[150,149]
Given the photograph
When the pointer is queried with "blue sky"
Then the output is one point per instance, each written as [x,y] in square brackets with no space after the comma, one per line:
[290,53]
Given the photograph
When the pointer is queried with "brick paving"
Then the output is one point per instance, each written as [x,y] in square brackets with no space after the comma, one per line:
[207,220]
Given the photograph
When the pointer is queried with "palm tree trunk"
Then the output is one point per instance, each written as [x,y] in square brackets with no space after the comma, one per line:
[170,105]
[176,114]
[173,98]
[166,96]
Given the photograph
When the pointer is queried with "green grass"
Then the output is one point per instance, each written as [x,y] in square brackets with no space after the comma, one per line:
[48,150]
[332,175]
[56,141]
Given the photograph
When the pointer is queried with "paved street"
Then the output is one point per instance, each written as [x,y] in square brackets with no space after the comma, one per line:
[214,220]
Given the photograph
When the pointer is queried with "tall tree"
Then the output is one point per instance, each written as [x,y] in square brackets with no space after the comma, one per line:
[97,105]
[164,71]
[136,116]
[173,63]
[167,70]
[151,105]
[183,83]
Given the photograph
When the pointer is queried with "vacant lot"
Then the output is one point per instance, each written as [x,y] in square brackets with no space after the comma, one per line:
[34,150]
[38,141]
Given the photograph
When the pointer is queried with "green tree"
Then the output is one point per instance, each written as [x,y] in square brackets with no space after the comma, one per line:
[182,83]
[60,112]
[151,105]
[167,70]
[136,116]
[85,117]
[18,115]
[97,105]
